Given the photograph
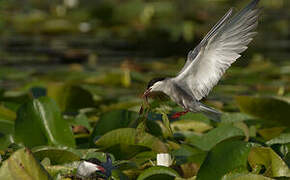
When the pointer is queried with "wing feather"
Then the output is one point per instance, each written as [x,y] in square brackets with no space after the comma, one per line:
[192,54]
[218,50]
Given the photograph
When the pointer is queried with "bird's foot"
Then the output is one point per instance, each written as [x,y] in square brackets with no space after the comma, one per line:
[178,114]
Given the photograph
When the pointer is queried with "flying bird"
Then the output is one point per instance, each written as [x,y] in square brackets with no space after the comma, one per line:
[208,61]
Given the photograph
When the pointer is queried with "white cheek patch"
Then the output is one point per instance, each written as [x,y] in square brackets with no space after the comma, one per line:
[86,169]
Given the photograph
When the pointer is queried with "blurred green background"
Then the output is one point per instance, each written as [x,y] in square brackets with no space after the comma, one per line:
[65,31]
[124,44]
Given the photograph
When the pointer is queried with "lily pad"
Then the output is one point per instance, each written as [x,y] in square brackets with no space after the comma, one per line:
[6,126]
[69,97]
[55,155]
[39,122]
[158,172]
[244,176]
[224,158]
[196,126]
[188,154]
[129,136]
[266,108]
[281,139]
[215,136]
[22,165]
[6,113]
[275,166]
[114,120]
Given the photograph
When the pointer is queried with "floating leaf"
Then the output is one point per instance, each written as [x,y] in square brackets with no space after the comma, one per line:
[6,126]
[224,158]
[39,122]
[114,120]
[275,166]
[6,113]
[144,157]
[270,133]
[22,165]
[244,176]
[6,133]
[6,140]
[186,154]
[70,97]
[216,135]
[56,155]
[234,117]
[93,153]
[129,136]
[158,172]
[281,139]
[267,108]
[82,120]
[190,125]
[119,175]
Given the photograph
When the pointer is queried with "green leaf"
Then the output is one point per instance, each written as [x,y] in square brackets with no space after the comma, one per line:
[6,140]
[196,126]
[224,158]
[267,108]
[6,113]
[59,171]
[7,118]
[244,176]
[281,139]
[187,154]
[166,124]
[94,153]
[129,136]
[143,157]
[216,135]
[6,126]
[39,122]
[234,117]
[22,165]
[56,155]
[113,120]
[82,119]
[70,97]
[158,172]
[270,133]
[119,175]
[275,166]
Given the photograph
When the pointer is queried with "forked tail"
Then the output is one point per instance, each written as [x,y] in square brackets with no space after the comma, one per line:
[211,113]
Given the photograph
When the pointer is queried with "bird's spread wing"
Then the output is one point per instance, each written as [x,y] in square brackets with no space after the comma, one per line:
[218,50]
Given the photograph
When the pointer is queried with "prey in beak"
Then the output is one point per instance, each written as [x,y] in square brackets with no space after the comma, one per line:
[148,91]
[145,97]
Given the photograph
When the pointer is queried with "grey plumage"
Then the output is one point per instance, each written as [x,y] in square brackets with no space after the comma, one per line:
[210,59]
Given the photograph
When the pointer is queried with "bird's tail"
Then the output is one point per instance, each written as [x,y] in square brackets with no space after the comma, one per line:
[210,112]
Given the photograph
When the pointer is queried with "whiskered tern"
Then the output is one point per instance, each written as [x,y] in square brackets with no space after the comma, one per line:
[208,61]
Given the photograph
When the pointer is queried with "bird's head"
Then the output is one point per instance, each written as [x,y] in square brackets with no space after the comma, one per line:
[154,85]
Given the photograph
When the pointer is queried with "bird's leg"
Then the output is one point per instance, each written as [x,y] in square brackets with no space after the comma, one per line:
[178,114]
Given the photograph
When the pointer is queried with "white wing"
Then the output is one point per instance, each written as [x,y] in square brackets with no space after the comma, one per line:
[218,50]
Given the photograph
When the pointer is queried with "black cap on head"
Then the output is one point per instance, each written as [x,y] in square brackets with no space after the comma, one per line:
[94,161]
[154,80]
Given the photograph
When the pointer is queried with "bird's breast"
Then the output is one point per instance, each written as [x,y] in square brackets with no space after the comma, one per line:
[181,97]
